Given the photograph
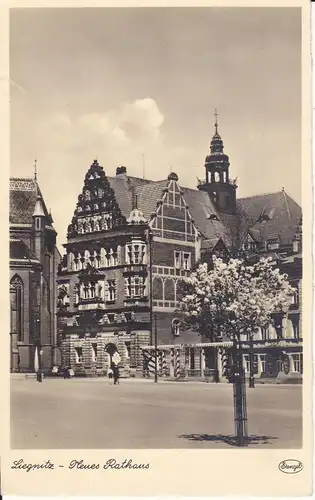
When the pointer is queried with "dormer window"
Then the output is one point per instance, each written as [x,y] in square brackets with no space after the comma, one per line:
[213,217]
[272,243]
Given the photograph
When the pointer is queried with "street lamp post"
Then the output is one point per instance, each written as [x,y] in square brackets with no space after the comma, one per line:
[150,238]
[155,351]
[251,382]
[239,393]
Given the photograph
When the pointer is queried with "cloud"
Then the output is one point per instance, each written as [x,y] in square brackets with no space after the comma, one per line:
[119,136]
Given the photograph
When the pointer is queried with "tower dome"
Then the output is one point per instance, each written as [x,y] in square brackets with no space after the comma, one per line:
[218,185]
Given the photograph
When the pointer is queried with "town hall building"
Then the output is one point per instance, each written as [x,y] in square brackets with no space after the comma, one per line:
[130,242]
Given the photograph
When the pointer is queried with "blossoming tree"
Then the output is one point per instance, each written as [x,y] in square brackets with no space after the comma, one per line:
[232,299]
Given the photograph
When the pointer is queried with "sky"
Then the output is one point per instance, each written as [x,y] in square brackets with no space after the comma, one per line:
[138,87]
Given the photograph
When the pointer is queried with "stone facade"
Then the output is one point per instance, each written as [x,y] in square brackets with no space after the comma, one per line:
[34,261]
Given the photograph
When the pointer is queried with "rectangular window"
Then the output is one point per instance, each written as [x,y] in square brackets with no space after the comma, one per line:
[279,365]
[94,352]
[246,363]
[263,362]
[111,290]
[136,254]
[177,260]
[295,298]
[297,362]
[192,358]
[127,287]
[296,330]
[264,333]
[128,254]
[16,312]
[79,354]
[186,261]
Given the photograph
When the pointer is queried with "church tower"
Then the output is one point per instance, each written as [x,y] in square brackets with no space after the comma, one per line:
[218,185]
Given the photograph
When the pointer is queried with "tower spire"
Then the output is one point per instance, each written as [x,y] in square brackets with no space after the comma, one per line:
[35,169]
[216,121]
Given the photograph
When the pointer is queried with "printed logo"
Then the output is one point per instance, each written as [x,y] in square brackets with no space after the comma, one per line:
[290,466]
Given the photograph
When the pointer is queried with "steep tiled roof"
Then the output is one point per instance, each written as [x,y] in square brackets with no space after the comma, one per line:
[271,215]
[148,196]
[267,215]
[201,208]
[23,197]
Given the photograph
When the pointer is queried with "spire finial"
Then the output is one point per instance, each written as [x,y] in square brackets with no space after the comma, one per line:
[35,169]
[216,121]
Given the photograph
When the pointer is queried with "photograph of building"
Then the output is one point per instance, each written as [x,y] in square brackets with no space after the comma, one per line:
[167,142]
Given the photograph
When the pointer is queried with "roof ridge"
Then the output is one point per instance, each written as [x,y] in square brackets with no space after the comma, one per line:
[260,195]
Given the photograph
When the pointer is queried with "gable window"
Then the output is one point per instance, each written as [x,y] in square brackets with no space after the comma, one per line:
[177,260]
[186,261]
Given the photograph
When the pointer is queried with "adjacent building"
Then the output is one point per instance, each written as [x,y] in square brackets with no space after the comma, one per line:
[34,260]
[130,242]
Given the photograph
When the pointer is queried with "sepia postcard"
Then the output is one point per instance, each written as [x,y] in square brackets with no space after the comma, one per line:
[157,313]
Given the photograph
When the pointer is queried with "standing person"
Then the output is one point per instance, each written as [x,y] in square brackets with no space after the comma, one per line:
[116,375]
[110,374]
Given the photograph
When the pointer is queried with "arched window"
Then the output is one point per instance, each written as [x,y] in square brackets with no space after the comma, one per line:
[157,288]
[16,303]
[169,289]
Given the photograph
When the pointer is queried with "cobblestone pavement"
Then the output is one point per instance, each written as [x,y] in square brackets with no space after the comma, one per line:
[91,413]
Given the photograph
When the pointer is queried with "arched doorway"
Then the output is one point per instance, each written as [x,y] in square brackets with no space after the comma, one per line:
[110,350]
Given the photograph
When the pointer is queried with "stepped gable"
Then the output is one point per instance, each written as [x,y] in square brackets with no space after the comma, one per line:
[271,215]
[97,208]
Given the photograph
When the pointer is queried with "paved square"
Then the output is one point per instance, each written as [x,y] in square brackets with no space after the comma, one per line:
[91,413]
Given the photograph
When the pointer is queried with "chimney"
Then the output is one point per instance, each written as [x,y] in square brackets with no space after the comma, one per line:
[121,170]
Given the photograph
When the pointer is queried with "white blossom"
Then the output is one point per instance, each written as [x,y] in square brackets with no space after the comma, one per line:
[232,298]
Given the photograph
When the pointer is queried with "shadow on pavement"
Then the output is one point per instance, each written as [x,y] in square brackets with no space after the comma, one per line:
[231,440]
